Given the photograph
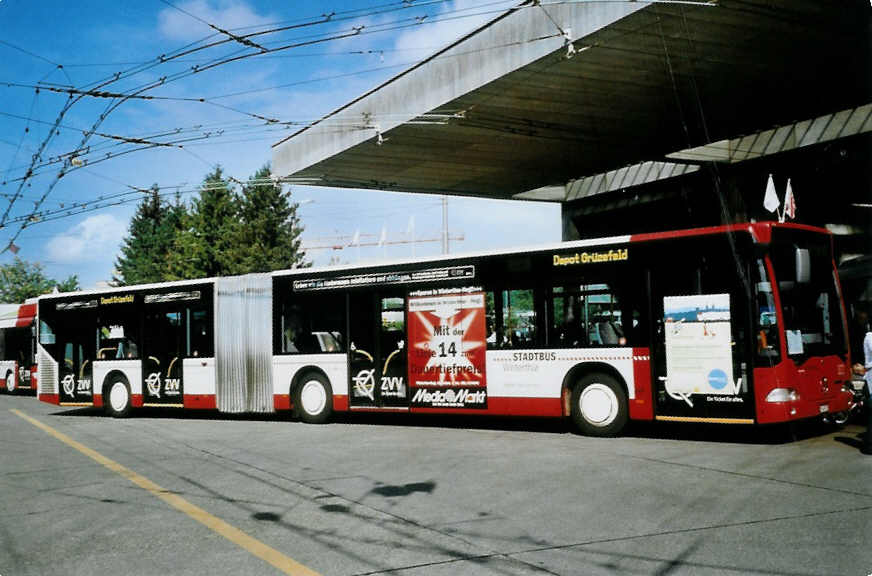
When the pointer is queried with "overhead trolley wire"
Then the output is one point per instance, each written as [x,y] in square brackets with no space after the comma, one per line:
[123,97]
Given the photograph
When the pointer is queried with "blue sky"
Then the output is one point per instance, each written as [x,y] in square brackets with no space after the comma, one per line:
[74,224]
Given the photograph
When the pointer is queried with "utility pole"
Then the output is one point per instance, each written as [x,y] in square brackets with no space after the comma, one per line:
[445,247]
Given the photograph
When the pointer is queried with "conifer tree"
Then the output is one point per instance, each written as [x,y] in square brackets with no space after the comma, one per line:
[204,245]
[269,235]
[149,239]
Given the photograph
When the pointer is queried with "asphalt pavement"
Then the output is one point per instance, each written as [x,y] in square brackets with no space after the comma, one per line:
[162,493]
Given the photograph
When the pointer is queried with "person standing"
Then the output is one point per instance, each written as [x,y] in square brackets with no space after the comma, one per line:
[867,376]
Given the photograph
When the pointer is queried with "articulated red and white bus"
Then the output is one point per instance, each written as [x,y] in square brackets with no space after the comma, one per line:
[740,324]
[18,347]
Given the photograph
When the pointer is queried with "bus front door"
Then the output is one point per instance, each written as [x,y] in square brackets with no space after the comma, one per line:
[377,353]
[75,368]
[701,347]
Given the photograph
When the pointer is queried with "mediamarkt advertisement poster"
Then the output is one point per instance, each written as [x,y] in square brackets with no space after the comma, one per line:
[447,350]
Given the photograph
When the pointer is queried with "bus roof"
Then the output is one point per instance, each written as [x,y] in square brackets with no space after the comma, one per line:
[761,232]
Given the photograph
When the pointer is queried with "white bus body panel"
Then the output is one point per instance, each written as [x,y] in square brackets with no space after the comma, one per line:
[335,366]
[132,370]
[47,368]
[540,373]
[198,376]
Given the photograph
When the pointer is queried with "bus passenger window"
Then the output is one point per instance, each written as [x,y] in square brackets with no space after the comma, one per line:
[115,341]
[519,319]
[491,328]
[200,333]
[604,316]
[589,315]
[312,324]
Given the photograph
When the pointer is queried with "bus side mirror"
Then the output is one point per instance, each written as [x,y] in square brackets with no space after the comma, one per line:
[803,266]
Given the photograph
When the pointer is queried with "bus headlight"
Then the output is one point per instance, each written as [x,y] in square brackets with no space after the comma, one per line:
[782,395]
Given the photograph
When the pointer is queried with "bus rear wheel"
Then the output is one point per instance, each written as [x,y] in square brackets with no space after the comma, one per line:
[116,401]
[10,383]
[313,399]
[599,406]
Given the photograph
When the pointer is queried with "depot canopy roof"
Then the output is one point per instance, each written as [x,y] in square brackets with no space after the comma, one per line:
[552,92]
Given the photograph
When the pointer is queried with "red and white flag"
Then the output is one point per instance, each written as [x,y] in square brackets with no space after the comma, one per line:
[13,248]
[789,202]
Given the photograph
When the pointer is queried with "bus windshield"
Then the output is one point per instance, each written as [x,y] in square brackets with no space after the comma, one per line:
[809,294]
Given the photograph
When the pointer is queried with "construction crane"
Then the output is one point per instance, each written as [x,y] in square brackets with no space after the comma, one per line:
[348,241]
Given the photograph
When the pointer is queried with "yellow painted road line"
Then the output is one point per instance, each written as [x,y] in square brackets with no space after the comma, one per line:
[256,547]
[706,420]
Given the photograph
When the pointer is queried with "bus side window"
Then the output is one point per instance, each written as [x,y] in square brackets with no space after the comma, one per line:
[519,319]
[603,315]
[491,336]
[565,326]
[200,333]
[312,324]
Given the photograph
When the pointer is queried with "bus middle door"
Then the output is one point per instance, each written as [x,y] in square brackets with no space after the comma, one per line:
[163,344]
[377,351]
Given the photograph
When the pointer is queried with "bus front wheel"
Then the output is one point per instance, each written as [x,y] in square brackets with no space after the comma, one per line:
[117,399]
[599,405]
[313,399]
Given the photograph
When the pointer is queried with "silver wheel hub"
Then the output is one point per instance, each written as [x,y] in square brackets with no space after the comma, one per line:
[118,396]
[313,397]
[10,383]
[598,404]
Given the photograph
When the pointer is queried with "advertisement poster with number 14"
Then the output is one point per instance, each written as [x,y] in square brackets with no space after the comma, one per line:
[447,350]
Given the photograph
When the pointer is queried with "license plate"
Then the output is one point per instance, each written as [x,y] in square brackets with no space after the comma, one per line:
[824,408]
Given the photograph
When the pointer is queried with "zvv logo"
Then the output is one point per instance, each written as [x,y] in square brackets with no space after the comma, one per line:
[69,383]
[364,384]
[153,384]
[172,386]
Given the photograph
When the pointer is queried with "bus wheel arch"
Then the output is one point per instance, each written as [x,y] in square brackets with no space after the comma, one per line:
[596,398]
[117,399]
[312,395]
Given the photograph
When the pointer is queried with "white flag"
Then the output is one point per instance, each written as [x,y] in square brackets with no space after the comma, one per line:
[770,201]
[789,202]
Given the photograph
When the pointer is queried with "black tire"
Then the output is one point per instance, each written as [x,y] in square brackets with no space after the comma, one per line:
[599,405]
[116,397]
[313,398]
[840,419]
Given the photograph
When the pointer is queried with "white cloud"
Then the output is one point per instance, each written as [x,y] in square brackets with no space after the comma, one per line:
[226,14]
[91,240]
[455,20]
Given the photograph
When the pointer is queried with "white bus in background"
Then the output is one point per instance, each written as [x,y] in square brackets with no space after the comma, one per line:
[18,347]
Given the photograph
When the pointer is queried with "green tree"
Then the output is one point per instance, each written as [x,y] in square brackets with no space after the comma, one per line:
[269,235]
[149,240]
[203,246]
[21,280]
